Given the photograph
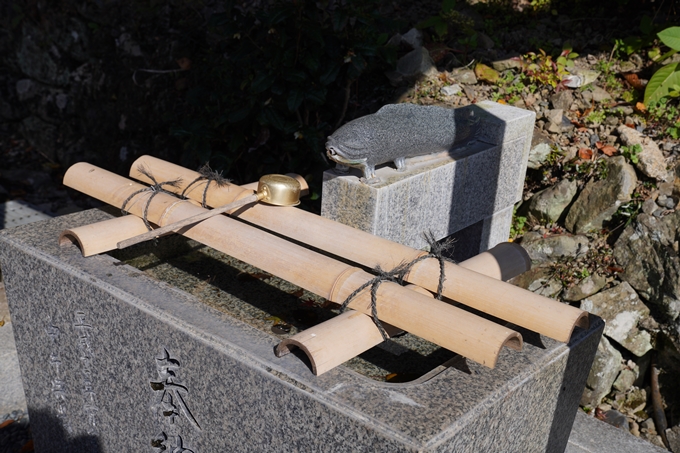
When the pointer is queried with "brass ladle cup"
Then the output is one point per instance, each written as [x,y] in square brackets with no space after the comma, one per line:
[278,190]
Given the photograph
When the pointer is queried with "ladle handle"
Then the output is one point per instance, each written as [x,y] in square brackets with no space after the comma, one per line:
[190,220]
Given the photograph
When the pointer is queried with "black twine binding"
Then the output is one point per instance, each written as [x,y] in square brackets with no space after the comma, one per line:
[398,274]
[155,189]
[206,174]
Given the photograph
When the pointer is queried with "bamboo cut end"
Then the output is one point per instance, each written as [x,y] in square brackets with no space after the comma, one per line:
[68,237]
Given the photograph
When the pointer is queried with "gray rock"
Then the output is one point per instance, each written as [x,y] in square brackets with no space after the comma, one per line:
[651,160]
[538,280]
[39,59]
[599,94]
[625,380]
[451,90]
[673,436]
[549,204]
[548,248]
[562,100]
[415,64]
[622,309]
[538,155]
[586,287]
[508,63]
[606,366]
[647,250]
[413,38]
[557,122]
[466,76]
[616,419]
[649,206]
[599,200]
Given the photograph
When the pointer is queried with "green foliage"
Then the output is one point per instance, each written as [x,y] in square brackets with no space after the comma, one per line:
[449,21]
[543,71]
[632,153]
[665,81]
[631,44]
[518,225]
[274,81]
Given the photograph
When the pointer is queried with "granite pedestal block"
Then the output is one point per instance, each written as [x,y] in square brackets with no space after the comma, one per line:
[473,185]
[114,360]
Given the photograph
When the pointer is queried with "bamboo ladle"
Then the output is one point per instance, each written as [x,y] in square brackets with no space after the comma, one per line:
[277,190]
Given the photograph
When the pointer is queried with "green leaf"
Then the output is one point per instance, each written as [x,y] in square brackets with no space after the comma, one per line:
[295,76]
[670,37]
[441,28]
[661,82]
[238,115]
[316,96]
[295,98]
[429,22]
[646,25]
[330,75]
[262,82]
[448,6]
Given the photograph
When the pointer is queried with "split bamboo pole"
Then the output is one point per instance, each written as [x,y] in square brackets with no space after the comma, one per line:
[445,325]
[516,305]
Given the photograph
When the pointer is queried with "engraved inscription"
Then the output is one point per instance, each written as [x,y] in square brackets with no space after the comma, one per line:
[84,332]
[57,384]
[170,402]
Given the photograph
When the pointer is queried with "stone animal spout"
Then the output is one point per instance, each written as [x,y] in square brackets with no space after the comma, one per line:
[398,131]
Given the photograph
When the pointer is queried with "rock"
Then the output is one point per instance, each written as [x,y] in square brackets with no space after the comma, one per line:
[647,251]
[562,100]
[606,366]
[413,38]
[466,76]
[451,90]
[596,94]
[549,248]
[616,419]
[651,161]
[622,309]
[538,280]
[624,380]
[557,122]
[673,436]
[633,401]
[39,59]
[582,78]
[538,154]
[509,63]
[599,200]
[415,64]
[549,204]
[586,287]
[649,206]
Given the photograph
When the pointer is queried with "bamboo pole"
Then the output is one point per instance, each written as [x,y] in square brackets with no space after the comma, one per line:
[440,323]
[516,305]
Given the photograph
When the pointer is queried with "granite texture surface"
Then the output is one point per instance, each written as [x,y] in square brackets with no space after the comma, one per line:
[590,435]
[113,360]
[442,193]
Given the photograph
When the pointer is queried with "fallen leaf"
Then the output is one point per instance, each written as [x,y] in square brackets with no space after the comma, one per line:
[501,101]
[486,73]
[2,322]
[6,423]
[184,63]
[615,269]
[634,80]
[581,128]
[640,107]
[609,150]
[585,153]
[630,125]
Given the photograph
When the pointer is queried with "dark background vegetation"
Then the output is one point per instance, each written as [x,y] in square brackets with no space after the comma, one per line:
[250,87]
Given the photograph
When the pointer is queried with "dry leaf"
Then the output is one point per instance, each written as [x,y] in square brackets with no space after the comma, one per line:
[486,73]
[634,81]
[640,107]
[599,145]
[585,153]
[609,150]
[6,423]
[501,101]
[184,63]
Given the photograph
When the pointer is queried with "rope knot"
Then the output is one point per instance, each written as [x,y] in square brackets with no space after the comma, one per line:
[154,189]
[206,174]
